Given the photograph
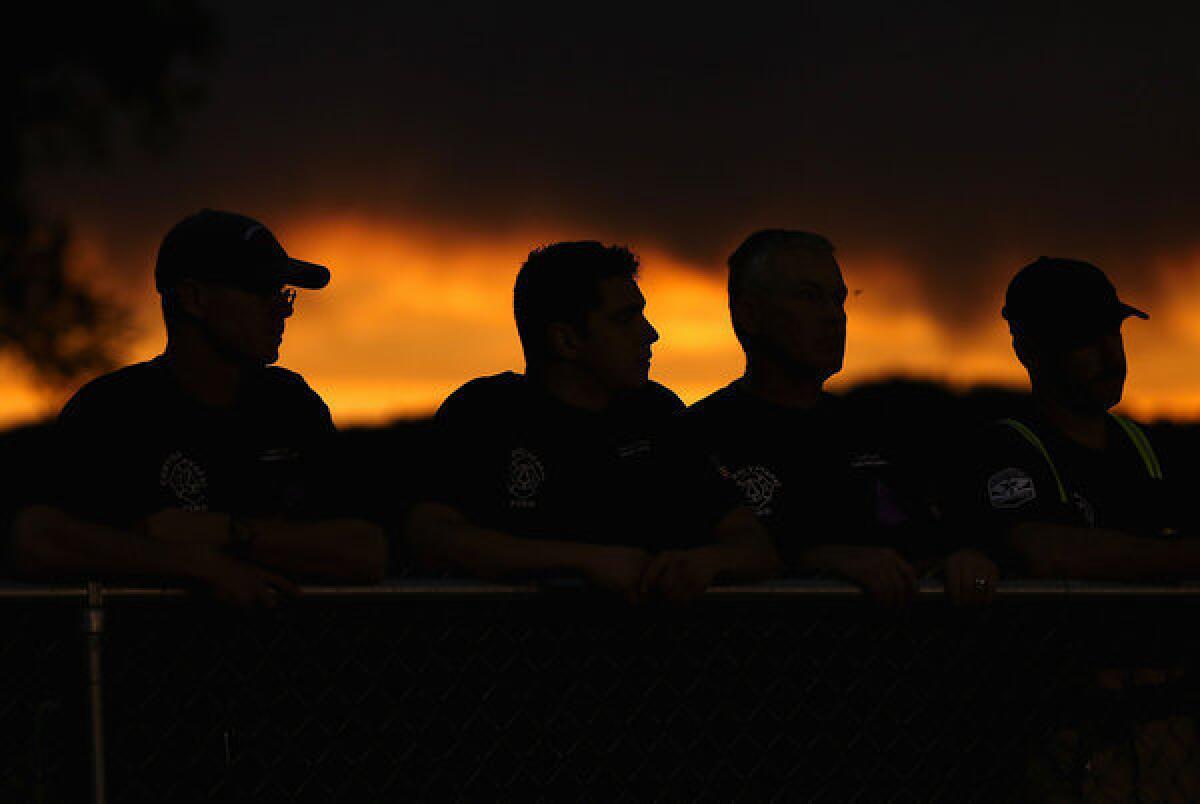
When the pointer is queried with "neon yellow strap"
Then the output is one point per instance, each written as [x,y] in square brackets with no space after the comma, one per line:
[1143,446]
[1032,438]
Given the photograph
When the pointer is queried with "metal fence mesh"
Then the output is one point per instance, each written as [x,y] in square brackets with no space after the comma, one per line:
[564,696]
[43,747]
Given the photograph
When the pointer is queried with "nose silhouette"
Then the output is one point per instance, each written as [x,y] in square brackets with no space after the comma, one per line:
[283,306]
[651,332]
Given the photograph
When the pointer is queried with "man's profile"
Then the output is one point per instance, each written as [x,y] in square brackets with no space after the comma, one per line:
[206,462]
[810,466]
[560,469]
[1068,489]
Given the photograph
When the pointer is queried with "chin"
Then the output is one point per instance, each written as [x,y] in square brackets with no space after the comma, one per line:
[264,358]
[636,380]
[1099,402]
[832,369]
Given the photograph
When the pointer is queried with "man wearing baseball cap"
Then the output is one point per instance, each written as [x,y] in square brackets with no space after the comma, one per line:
[206,463]
[1068,489]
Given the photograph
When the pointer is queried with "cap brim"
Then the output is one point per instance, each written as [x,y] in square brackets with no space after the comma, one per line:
[301,274]
[1132,312]
[1072,327]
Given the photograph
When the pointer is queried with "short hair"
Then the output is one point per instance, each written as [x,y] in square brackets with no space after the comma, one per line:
[172,311]
[560,283]
[749,262]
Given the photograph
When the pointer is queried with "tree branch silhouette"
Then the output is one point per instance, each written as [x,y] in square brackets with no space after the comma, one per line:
[77,81]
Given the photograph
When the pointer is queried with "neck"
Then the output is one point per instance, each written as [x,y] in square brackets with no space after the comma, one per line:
[569,385]
[201,372]
[1088,428]
[767,380]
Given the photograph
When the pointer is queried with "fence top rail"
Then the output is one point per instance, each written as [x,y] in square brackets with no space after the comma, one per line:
[466,589]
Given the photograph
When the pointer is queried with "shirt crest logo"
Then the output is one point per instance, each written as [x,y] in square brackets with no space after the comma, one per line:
[186,480]
[868,460]
[279,455]
[525,477]
[1011,488]
[758,486]
[631,450]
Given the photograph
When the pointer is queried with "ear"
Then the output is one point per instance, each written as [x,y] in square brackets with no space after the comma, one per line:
[746,315]
[564,341]
[192,298]
[1027,353]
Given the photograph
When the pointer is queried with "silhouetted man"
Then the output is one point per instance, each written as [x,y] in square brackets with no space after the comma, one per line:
[205,463]
[806,463]
[560,469]
[1071,490]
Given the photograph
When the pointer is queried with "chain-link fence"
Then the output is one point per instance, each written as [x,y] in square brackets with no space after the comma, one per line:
[446,690]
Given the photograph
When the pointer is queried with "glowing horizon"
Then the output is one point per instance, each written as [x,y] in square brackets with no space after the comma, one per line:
[377,348]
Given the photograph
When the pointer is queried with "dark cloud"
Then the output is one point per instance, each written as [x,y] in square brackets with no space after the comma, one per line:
[957,140]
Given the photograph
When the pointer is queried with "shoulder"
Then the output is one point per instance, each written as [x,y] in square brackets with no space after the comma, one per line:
[1135,431]
[655,399]
[1011,436]
[1009,443]
[1014,463]
[294,393]
[715,404]
[289,383]
[119,392]
[482,394]
[1138,443]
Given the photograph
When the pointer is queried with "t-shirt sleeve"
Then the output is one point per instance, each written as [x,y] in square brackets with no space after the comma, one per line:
[696,495]
[87,472]
[22,457]
[332,486]
[1174,513]
[455,455]
[1006,481]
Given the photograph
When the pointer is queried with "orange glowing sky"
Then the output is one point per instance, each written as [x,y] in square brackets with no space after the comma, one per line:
[422,150]
[414,312]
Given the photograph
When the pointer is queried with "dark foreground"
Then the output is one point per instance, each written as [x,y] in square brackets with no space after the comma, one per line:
[424,690]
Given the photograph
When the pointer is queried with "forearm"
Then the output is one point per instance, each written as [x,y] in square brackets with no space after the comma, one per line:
[744,549]
[741,562]
[338,549]
[442,539]
[1060,551]
[47,542]
[818,559]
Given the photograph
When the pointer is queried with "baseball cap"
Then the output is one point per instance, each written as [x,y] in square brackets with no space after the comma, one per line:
[231,249]
[1064,300]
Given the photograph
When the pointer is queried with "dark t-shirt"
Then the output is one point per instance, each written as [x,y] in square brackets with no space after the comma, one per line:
[814,476]
[513,458]
[1010,481]
[133,442]
[23,453]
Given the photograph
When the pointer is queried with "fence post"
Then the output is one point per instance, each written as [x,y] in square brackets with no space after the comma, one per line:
[93,621]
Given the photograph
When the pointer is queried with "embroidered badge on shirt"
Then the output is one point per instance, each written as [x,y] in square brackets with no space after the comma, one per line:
[186,480]
[1011,488]
[525,477]
[758,486]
